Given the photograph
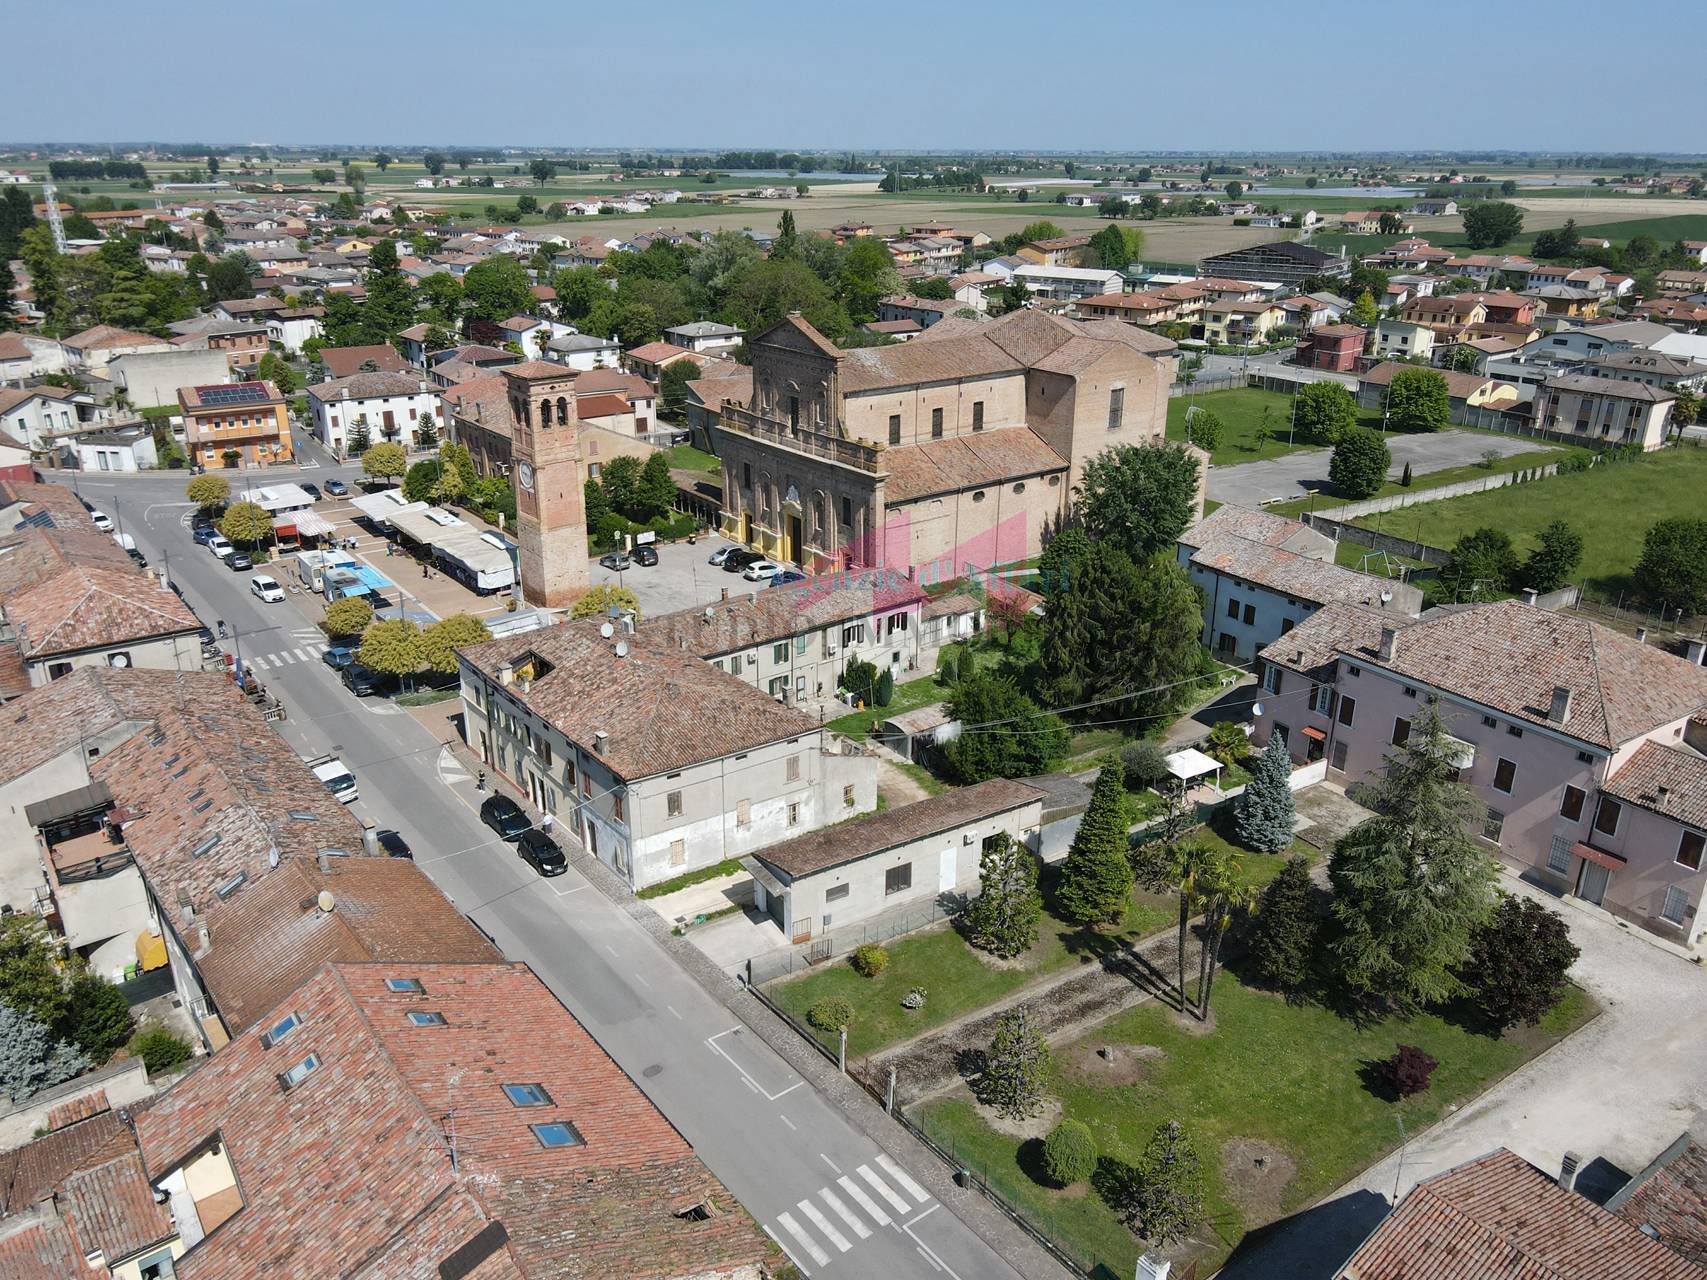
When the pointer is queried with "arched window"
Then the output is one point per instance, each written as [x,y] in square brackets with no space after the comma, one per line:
[519,408]
[545,412]
[562,410]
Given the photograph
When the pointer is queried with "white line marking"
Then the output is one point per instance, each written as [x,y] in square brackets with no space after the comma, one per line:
[564,893]
[826,1159]
[642,981]
[789,1225]
[672,1009]
[846,1214]
[863,1201]
[882,1189]
[302,655]
[823,1224]
[783,1245]
[711,1043]
[927,1213]
[900,1175]
[610,948]
[930,1257]
[791,1088]
[787,1122]
[286,656]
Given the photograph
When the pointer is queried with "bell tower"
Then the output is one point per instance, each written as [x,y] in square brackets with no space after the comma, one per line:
[547,477]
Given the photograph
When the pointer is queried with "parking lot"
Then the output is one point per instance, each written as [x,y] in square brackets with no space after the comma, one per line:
[682,579]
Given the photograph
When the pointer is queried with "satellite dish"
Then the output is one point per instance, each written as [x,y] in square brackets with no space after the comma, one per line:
[709,611]
[1386,597]
[1256,709]
[118,659]
[272,857]
[325,901]
[606,630]
[622,648]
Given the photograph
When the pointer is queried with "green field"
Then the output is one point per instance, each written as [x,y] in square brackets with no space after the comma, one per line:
[1428,480]
[1612,506]
[1666,228]
[1241,412]
[1287,1077]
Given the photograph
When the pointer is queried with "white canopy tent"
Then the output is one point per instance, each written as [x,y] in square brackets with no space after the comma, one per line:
[1191,764]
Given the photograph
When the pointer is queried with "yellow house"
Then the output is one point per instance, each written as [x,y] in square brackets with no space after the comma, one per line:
[1236,322]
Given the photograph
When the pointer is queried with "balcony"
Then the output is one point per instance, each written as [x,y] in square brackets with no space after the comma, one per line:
[847,453]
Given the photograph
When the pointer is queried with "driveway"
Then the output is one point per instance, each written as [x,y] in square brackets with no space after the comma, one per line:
[1619,1091]
[1249,484]
[682,578]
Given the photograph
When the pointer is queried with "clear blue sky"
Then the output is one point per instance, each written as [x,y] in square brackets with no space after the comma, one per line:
[1109,75]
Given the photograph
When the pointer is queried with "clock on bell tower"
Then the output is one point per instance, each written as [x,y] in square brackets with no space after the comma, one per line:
[547,476]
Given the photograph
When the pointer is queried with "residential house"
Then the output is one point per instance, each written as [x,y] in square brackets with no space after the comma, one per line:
[241,342]
[1067,284]
[151,378]
[908,856]
[955,446]
[25,355]
[34,415]
[1148,310]
[1583,744]
[290,327]
[1283,261]
[1058,251]
[1261,575]
[532,334]
[1468,394]
[90,350]
[258,310]
[341,362]
[1311,310]
[970,286]
[1667,1200]
[1361,224]
[390,405]
[1457,309]
[1241,323]
[584,351]
[1566,300]
[1605,410]
[705,397]
[660,763]
[126,445]
[1697,249]
[1654,368]
[236,424]
[923,312]
[1004,267]
[1337,347]
[1403,339]
[705,338]
[1432,207]
[651,359]
[1485,268]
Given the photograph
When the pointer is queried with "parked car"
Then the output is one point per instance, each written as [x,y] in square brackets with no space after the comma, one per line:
[616,561]
[541,853]
[313,491]
[362,681]
[338,656]
[137,556]
[761,570]
[505,817]
[738,559]
[376,601]
[787,578]
[646,554]
[266,588]
[394,845]
[220,545]
[718,556]
[102,520]
[337,488]
[204,534]
[237,562]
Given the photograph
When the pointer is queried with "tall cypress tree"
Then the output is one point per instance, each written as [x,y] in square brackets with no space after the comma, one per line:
[1096,879]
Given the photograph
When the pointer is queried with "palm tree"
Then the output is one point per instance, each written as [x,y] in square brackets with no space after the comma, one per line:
[1191,860]
[1220,890]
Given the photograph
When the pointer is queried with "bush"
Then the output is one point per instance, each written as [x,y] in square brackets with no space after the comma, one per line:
[832,1013]
[1325,412]
[159,1049]
[97,1017]
[1407,1071]
[885,690]
[859,678]
[1283,934]
[1518,961]
[1069,1154]
[1145,763]
[869,960]
[1227,743]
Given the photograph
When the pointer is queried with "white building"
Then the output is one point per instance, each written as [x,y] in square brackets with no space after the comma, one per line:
[294,326]
[150,378]
[118,447]
[1066,284]
[389,403]
[33,415]
[584,351]
[706,337]
[24,355]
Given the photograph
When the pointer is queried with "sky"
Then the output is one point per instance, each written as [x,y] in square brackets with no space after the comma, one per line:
[1126,75]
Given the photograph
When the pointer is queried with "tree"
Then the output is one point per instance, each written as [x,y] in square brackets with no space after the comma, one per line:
[1557,552]
[426,431]
[867,274]
[420,480]
[1462,359]
[208,491]
[1004,734]
[384,461]
[1490,223]
[1144,763]
[1418,400]
[1161,1197]
[595,502]
[347,617]
[1672,570]
[1016,1067]
[1219,890]
[393,647]
[433,162]
[621,479]
[603,598]
[1411,884]
[1205,430]
[1003,918]
[1685,409]
[97,1017]
[497,288]
[1069,1153]
[390,305]
[30,1058]
[271,368]
[1262,815]
[1325,412]
[1283,935]
[673,389]
[542,170]
[382,161]
[246,523]
[1359,463]
[1062,556]
[1190,861]
[1482,566]
[1408,1070]
[450,484]
[441,640]
[1139,497]
[655,494]
[1107,249]
[32,978]
[1518,961]
[1096,879]
[1363,311]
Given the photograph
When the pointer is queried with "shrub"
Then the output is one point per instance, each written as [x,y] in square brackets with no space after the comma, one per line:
[1283,934]
[1405,479]
[1069,1154]
[884,693]
[869,960]
[1407,1071]
[1227,743]
[159,1049]
[1145,762]
[1518,961]
[832,1013]
[859,678]
[97,1017]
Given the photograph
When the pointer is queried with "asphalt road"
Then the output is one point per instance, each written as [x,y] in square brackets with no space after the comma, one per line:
[821,1187]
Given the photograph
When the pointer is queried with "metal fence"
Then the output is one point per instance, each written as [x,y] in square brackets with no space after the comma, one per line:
[771,965]
[1222,382]
[1623,613]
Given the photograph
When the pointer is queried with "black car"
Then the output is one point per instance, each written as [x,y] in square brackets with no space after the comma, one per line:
[505,817]
[337,488]
[137,556]
[541,853]
[646,554]
[237,562]
[201,520]
[313,491]
[362,681]
[736,561]
[394,845]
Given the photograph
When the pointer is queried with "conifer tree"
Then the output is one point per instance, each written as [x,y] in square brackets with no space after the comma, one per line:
[1096,878]
[1262,816]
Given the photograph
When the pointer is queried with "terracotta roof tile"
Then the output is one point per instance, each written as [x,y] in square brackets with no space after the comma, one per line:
[341,362]
[1667,779]
[778,613]
[967,462]
[1669,1199]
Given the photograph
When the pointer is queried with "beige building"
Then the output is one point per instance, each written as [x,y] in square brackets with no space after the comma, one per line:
[1235,322]
[1605,410]
[950,450]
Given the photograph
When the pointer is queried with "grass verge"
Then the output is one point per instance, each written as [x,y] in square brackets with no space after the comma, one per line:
[728,867]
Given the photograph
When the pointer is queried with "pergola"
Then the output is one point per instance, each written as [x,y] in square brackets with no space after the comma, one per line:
[1190,764]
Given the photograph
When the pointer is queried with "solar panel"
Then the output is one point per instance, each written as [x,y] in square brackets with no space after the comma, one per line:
[236,393]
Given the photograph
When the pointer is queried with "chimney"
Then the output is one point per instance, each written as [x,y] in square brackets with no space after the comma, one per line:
[600,740]
[725,595]
[1559,710]
[325,861]
[343,393]
[506,675]
[165,582]
[1641,635]
[1153,1267]
[625,620]
[370,839]
[1568,1168]
[1530,595]
[1389,643]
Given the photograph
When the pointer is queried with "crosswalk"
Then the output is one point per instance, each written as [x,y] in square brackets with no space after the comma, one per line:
[853,1205]
[303,645]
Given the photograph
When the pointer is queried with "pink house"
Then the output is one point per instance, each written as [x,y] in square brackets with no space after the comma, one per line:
[1584,744]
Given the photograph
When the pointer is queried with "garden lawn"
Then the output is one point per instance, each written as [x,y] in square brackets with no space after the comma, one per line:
[959,979]
[1323,499]
[991,653]
[1612,506]
[1241,413]
[684,457]
[1289,1075]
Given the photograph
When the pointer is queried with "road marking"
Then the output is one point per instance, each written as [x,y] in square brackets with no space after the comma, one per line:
[564,893]
[927,1213]
[882,1189]
[783,1245]
[642,981]
[711,1043]
[787,1121]
[863,1201]
[610,948]
[302,655]
[672,1009]
[807,1243]
[824,1225]
[900,1175]
[284,657]
[826,1159]
[929,1255]
[846,1214]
